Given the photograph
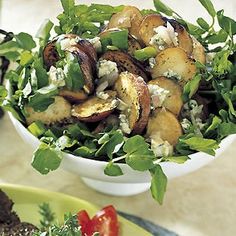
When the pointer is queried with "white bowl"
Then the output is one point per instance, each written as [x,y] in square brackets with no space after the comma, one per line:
[132,182]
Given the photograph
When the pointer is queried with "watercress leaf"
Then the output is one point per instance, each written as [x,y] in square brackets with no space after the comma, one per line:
[226,128]
[202,145]
[207,4]
[46,159]
[73,74]
[194,29]
[41,99]
[158,184]
[41,73]
[43,32]
[140,161]
[85,152]
[226,23]
[162,8]
[218,37]
[68,6]
[229,102]
[147,12]
[25,41]
[65,142]
[3,94]
[191,87]
[176,159]
[10,50]
[111,146]
[203,24]
[216,121]
[112,169]
[135,144]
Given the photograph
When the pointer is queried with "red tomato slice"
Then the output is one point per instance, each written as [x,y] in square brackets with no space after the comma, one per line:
[106,222]
[85,223]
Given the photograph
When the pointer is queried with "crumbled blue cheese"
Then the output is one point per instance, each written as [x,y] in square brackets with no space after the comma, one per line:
[124,124]
[107,71]
[164,36]
[102,95]
[66,43]
[160,147]
[152,62]
[185,123]
[96,43]
[170,73]
[158,95]
[56,77]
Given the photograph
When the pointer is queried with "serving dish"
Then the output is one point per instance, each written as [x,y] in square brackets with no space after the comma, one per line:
[132,182]
[138,111]
[27,200]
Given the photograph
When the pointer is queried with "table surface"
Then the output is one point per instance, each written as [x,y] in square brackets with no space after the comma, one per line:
[198,204]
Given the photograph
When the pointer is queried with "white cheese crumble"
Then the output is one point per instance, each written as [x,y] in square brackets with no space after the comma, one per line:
[102,95]
[160,147]
[185,123]
[152,62]
[107,71]
[66,43]
[170,73]
[56,77]
[124,124]
[122,105]
[164,36]
[96,43]
[158,95]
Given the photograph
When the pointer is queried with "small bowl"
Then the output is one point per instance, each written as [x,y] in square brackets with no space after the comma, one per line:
[132,182]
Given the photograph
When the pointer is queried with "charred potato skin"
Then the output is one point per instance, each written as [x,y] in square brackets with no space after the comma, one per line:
[50,55]
[174,101]
[125,62]
[100,113]
[163,123]
[139,105]
[73,96]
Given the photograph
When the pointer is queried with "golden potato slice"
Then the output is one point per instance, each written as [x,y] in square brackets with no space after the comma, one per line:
[198,51]
[95,109]
[173,101]
[184,39]
[125,62]
[146,29]
[154,20]
[129,18]
[174,62]
[73,96]
[164,124]
[133,91]
[56,112]
[50,55]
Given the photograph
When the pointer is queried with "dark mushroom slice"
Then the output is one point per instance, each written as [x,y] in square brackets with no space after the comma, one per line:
[125,62]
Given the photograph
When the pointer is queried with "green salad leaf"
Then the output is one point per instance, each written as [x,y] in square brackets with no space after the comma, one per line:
[113,170]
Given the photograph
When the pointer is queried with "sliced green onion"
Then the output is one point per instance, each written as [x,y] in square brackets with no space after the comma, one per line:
[145,53]
[37,128]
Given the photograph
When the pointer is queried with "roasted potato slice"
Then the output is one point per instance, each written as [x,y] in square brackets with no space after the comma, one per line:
[133,91]
[125,62]
[56,112]
[198,51]
[73,96]
[95,109]
[146,29]
[50,54]
[154,20]
[173,101]
[129,18]
[174,62]
[164,124]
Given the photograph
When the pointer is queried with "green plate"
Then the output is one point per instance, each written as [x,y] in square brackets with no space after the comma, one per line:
[27,199]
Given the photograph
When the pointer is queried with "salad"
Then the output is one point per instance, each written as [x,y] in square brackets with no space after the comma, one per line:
[124,85]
